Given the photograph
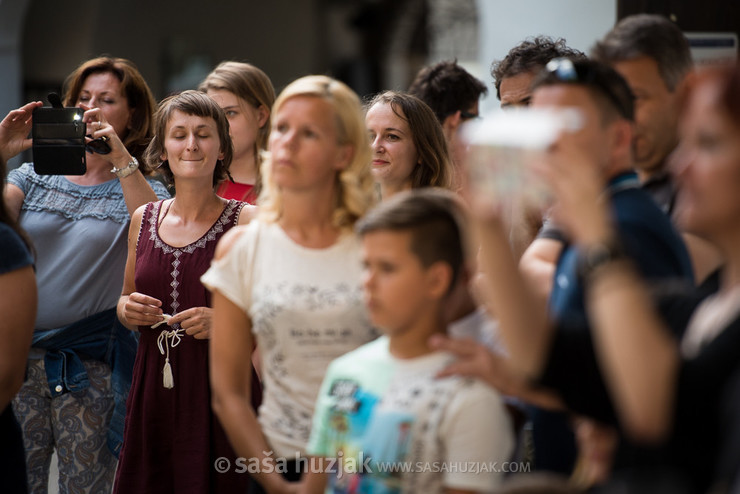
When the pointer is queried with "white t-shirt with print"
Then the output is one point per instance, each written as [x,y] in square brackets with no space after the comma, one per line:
[420,433]
[306,309]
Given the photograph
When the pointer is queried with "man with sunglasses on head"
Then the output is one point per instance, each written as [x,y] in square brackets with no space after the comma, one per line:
[512,78]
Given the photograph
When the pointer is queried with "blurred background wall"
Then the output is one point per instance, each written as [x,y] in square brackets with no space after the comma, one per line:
[370,44]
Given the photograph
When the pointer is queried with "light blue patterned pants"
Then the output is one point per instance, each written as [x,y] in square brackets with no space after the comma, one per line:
[75,424]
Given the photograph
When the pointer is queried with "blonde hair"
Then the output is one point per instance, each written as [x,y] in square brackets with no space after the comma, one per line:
[355,191]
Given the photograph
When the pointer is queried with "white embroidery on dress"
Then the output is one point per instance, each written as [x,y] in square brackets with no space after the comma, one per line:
[171,338]
[210,235]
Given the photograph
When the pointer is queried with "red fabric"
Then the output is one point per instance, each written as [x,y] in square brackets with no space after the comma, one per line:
[234,190]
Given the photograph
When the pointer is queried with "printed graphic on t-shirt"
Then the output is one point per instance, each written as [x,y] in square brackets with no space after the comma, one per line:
[357,433]
[372,437]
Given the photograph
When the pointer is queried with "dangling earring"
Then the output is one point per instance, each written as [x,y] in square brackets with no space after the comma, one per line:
[165,162]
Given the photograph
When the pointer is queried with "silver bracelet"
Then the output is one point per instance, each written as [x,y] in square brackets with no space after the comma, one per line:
[124,172]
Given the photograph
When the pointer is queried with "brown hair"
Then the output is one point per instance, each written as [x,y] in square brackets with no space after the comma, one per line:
[433,218]
[435,166]
[531,55]
[447,88]
[196,103]
[652,36]
[133,87]
[251,85]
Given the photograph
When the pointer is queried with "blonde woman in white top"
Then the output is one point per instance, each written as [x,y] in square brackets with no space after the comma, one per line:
[290,280]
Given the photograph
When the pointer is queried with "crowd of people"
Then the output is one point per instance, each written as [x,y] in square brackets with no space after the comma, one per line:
[303,293]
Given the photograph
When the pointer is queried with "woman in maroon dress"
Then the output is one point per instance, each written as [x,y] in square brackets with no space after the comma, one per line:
[171,438]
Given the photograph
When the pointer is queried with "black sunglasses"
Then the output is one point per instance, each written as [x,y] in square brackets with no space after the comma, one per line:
[563,69]
[468,116]
[99,145]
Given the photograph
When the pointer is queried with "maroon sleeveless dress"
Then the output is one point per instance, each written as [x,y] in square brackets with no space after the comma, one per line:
[171,437]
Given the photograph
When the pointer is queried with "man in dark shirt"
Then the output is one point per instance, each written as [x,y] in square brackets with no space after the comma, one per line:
[604,145]
[654,57]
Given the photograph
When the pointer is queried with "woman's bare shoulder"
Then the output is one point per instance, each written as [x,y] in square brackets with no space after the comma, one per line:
[230,238]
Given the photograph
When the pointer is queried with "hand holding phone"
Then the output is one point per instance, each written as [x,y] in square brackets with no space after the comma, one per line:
[14,130]
[502,150]
[58,140]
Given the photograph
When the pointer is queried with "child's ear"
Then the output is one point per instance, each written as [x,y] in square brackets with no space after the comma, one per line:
[439,276]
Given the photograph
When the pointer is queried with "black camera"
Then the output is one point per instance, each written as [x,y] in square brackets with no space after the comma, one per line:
[58,140]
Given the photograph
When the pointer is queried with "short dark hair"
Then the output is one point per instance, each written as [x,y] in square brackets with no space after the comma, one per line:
[433,217]
[652,36]
[609,89]
[530,56]
[447,88]
[435,166]
[196,103]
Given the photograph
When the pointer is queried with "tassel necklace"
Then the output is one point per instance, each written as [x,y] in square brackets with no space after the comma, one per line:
[168,339]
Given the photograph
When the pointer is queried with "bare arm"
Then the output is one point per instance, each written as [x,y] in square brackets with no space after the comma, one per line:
[639,357]
[522,317]
[136,309]
[14,198]
[18,309]
[230,349]
[538,266]
[136,190]
[475,360]
[314,482]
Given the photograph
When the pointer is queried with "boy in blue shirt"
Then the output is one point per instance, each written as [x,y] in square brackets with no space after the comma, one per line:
[383,418]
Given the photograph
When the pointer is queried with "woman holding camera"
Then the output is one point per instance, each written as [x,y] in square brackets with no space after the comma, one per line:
[79,227]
